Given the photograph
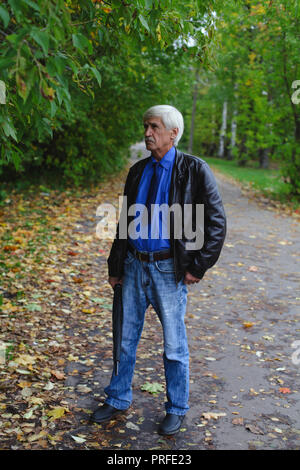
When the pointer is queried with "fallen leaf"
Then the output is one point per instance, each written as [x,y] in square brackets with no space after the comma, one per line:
[36,401]
[35,437]
[29,414]
[25,359]
[57,412]
[23,371]
[59,375]
[253,268]
[26,392]
[212,415]
[49,386]
[10,248]
[284,390]
[238,421]
[34,307]
[88,310]
[24,384]
[254,429]
[132,426]
[268,338]
[152,387]
[80,440]
[82,388]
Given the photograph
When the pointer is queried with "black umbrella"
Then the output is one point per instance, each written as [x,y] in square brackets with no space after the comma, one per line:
[117,323]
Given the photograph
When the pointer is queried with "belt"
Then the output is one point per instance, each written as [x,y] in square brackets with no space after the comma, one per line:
[146,256]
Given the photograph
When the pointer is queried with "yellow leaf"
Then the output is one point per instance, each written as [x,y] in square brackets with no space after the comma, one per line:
[158,32]
[36,400]
[25,359]
[23,384]
[57,413]
[72,358]
[258,10]
[252,57]
[88,310]
[211,415]
[35,437]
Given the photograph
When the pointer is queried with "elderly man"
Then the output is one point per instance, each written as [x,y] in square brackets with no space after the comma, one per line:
[157,268]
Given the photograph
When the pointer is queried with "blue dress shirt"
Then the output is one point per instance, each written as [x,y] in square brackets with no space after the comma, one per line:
[164,172]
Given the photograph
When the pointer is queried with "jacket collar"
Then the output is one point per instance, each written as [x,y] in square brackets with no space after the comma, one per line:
[180,163]
[177,175]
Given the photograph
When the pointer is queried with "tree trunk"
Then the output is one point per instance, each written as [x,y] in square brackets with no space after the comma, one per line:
[221,152]
[242,158]
[233,135]
[191,139]
[264,158]
[294,177]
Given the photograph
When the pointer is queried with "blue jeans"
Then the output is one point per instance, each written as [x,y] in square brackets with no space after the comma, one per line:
[153,283]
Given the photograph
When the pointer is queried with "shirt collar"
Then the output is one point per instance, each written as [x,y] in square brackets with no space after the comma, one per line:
[167,159]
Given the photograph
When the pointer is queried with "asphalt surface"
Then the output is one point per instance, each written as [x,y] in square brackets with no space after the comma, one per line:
[242,323]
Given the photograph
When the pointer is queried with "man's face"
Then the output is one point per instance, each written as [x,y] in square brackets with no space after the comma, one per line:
[158,139]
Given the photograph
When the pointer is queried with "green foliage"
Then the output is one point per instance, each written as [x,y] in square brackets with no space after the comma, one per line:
[78,73]
[257,62]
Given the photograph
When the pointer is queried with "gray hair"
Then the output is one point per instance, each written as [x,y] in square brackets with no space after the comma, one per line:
[170,117]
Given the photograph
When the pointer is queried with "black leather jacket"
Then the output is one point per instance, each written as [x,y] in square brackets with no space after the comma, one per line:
[192,182]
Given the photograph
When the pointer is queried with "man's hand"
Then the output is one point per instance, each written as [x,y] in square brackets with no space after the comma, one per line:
[114,280]
[190,279]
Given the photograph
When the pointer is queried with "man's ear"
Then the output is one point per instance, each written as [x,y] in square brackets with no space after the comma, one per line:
[174,133]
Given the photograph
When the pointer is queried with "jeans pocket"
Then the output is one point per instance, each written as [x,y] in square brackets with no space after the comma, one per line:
[129,258]
[165,265]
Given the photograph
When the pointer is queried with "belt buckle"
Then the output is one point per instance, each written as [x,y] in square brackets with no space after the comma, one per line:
[139,255]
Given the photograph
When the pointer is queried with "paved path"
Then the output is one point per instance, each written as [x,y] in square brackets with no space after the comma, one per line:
[242,320]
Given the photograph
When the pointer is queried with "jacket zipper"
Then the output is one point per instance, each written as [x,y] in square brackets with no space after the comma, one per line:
[172,240]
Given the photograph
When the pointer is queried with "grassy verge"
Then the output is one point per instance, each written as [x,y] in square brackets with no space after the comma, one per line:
[267,182]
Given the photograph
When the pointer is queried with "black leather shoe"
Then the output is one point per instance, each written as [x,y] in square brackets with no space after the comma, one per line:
[170,425]
[104,413]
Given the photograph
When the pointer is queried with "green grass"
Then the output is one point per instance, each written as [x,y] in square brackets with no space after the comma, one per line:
[266,181]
